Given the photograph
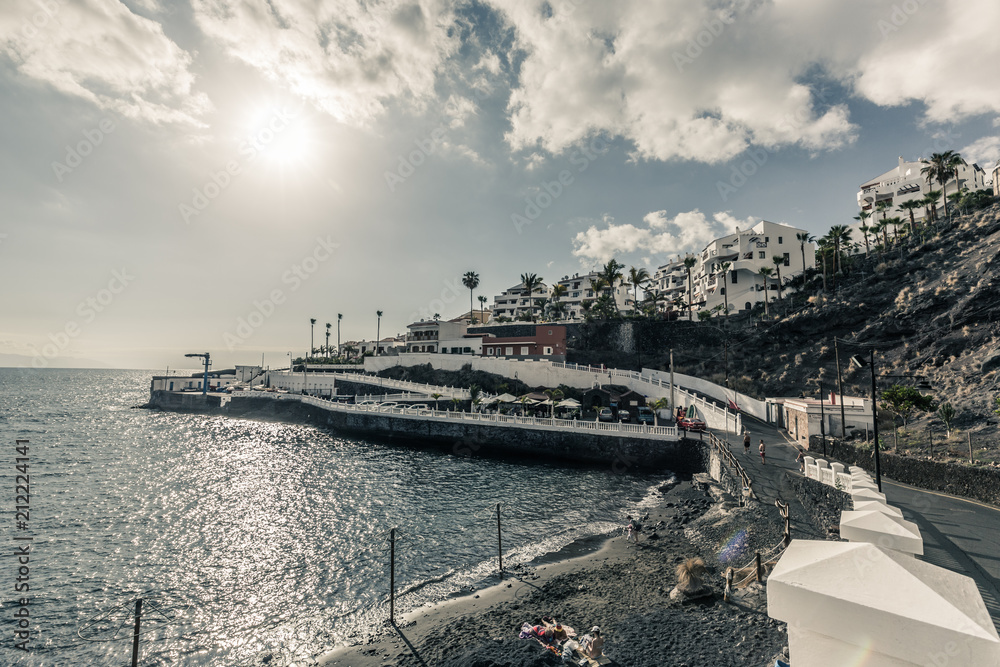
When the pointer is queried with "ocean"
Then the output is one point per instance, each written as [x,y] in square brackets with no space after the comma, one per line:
[249,542]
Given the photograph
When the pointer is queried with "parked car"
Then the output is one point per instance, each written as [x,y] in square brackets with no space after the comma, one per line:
[624,416]
[388,404]
[691,424]
[417,407]
[645,415]
[605,415]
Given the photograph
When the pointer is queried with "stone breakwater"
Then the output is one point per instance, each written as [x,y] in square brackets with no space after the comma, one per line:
[621,452]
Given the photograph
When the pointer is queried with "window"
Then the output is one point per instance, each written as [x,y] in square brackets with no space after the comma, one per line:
[722,290]
[761,255]
[510,350]
[550,332]
[747,306]
[547,350]
[780,240]
[787,259]
[524,349]
[734,277]
[767,239]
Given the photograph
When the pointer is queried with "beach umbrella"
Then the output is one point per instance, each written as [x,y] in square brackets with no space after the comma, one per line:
[506,398]
[568,403]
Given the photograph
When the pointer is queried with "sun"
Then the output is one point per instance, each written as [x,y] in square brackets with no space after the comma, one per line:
[279,136]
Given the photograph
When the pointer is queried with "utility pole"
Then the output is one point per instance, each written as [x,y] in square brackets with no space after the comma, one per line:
[878,463]
[673,408]
[822,419]
[840,390]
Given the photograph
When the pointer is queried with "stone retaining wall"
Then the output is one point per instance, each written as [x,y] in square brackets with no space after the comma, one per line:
[623,454]
[978,482]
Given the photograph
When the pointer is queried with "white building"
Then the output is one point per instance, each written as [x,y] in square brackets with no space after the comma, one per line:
[905,182]
[442,337]
[515,302]
[580,289]
[743,286]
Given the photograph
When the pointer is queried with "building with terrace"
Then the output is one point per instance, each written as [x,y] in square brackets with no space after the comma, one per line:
[579,289]
[905,182]
[515,302]
[442,337]
[742,286]
[547,342]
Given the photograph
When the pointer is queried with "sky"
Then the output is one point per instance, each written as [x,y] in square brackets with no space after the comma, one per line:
[208,175]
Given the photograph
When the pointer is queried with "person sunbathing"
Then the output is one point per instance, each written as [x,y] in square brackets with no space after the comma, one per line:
[558,632]
[593,643]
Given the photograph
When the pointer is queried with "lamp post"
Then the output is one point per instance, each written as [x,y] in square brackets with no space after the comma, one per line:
[858,362]
[204,383]
[822,419]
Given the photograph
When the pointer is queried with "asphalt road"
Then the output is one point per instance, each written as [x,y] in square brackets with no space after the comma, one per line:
[959,534]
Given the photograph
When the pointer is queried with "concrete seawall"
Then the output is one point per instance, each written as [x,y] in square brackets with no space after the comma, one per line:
[465,438]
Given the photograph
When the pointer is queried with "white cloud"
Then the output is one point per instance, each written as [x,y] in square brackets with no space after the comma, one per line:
[102,52]
[349,57]
[662,235]
[984,151]
[703,80]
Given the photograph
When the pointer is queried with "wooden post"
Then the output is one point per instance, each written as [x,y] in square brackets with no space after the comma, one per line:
[971,457]
[760,569]
[135,633]
[499,544]
[729,585]
[392,576]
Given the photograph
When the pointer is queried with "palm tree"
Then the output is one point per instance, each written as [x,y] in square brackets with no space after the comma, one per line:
[825,245]
[861,217]
[312,326]
[778,260]
[554,396]
[378,330]
[436,396]
[531,282]
[908,206]
[724,270]
[585,306]
[839,234]
[541,304]
[328,325]
[689,263]
[340,316]
[765,272]
[931,200]
[482,308]
[612,274]
[942,167]
[804,238]
[637,278]
[895,222]
[558,291]
[471,282]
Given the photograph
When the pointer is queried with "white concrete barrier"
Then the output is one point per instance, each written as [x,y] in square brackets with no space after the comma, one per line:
[882,530]
[857,604]
[875,506]
[867,494]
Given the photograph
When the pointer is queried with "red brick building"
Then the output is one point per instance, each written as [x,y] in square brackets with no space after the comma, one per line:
[548,342]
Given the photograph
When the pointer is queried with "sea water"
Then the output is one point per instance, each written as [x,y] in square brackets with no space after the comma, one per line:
[249,542]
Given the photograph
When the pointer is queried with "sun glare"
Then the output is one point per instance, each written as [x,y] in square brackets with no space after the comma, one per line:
[277,135]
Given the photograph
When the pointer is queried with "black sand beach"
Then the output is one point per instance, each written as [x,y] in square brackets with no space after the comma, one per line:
[623,588]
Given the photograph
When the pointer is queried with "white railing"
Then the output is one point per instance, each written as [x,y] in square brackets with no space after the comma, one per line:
[544,423]
[422,388]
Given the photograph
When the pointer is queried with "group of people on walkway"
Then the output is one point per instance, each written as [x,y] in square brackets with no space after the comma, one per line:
[760,447]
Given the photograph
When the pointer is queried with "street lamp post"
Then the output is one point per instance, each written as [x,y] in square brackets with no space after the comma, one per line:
[858,362]
[204,383]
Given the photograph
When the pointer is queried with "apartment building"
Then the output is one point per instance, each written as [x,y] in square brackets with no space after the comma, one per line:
[746,252]
[905,182]
[580,289]
[515,302]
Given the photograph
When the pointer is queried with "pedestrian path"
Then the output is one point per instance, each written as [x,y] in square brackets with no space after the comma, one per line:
[960,535]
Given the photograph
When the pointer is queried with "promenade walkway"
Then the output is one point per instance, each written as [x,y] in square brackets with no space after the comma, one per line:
[959,534]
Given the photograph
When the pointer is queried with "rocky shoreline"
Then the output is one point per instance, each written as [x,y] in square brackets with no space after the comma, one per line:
[623,587]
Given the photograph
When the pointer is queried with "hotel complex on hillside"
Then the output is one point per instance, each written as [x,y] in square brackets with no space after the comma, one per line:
[905,182]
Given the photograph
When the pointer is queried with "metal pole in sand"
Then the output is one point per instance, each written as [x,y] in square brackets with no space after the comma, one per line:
[392,576]
[135,633]
[499,544]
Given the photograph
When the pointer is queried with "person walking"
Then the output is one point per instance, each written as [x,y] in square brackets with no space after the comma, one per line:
[801,460]
[746,443]
[761,448]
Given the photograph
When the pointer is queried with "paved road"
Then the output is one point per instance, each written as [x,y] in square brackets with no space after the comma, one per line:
[959,534]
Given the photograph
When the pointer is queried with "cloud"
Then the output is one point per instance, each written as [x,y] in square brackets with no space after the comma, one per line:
[984,151]
[704,80]
[662,235]
[349,57]
[102,52]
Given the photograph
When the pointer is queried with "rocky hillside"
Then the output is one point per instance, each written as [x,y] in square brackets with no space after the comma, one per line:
[930,309]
